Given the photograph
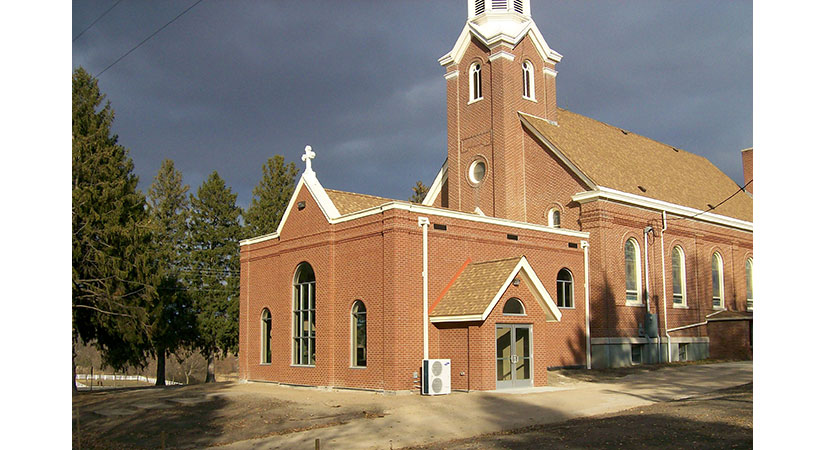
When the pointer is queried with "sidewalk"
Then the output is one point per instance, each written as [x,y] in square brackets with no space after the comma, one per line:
[417,420]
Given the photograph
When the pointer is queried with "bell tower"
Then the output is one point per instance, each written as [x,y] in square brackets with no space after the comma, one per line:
[499,66]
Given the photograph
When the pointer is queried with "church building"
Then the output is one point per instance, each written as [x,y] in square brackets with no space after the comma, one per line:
[547,239]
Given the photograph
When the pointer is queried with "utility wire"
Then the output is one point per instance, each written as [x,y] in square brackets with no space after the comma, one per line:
[741,189]
[95,21]
[149,37]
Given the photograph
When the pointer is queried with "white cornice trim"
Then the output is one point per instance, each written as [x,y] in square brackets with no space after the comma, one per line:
[435,187]
[606,193]
[471,28]
[551,72]
[318,193]
[451,75]
[502,54]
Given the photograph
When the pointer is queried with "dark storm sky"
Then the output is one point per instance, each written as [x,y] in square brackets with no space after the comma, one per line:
[229,84]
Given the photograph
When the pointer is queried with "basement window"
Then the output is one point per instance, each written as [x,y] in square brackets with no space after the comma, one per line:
[635,354]
[683,352]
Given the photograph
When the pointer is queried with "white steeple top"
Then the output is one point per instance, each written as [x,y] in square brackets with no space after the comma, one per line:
[499,21]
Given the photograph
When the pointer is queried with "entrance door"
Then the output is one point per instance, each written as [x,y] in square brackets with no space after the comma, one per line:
[514,366]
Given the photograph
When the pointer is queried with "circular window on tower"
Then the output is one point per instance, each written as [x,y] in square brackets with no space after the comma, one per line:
[478,169]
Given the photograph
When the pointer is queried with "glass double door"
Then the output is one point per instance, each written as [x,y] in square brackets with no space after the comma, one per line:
[514,362]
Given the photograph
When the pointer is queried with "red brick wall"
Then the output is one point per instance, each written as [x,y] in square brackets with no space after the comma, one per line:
[730,339]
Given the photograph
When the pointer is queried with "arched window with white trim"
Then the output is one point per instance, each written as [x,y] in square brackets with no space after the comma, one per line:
[303,316]
[718,280]
[749,282]
[475,82]
[632,271]
[677,261]
[564,289]
[513,307]
[554,218]
[266,337]
[359,334]
[528,84]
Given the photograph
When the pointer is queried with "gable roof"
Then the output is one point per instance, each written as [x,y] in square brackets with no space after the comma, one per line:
[607,156]
[479,286]
[350,202]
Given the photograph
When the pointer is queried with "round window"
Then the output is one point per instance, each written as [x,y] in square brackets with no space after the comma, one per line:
[477,171]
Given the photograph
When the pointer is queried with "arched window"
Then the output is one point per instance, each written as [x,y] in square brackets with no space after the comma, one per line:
[632,272]
[677,260]
[475,82]
[359,334]
[529,88]
[266,337]
[554,218]
[749,282]
[718,280]
[513,307]
[564,289]
[303,316]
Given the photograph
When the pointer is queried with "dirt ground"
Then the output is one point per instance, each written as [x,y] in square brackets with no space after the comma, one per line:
[719,420]
[206,415]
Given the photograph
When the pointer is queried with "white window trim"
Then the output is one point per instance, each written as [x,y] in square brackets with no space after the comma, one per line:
[352,364]
[637,251]
[262,362]
[683,279]
[295,283]
[528,81]
[572,290]
[721,306]
[472,79]
[523,308]
[550,222]
[749,280]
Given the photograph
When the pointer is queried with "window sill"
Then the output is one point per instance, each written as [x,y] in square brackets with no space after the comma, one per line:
[302,365]
[566,307]
[475,101]
[265,364]
[718,308]
[634,304]
[358,367]
[681,306]
[529,98]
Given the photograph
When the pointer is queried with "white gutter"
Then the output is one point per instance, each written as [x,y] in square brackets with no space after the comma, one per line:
[586,247]
[424,223]
[647,229]
[664,279]
[688,326]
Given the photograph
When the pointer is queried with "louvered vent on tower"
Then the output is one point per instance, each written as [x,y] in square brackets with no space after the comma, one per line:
[499,4]
[518,6]
[479,6]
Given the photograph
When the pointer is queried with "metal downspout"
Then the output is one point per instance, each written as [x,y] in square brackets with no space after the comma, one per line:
[424,223]
[664,286]
[586,247]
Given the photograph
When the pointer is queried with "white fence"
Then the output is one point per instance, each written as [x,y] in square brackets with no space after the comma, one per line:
[86,378]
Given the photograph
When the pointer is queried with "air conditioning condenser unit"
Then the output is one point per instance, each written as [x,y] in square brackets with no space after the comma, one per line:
[435,376]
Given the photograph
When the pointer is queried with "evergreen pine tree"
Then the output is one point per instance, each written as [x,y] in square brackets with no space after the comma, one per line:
[214,265]
[172,322]
[419,192]
[270,197]
[109,234]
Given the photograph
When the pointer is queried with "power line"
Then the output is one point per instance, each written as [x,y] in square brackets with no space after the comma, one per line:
[95,21]
[712,207]
[149,37]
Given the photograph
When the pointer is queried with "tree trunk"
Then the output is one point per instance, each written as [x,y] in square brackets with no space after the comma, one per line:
[74,367]
[210,368]
[160,376]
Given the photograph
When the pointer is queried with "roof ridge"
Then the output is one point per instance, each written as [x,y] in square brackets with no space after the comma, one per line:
[359,194]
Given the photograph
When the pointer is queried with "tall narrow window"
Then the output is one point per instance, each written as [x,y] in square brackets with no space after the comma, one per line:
[303,316]
[529,90]
[749,282]
[632,271]
[475,82]
[359,334]
[718,280]
[678,268]
[564,289]
[266,337]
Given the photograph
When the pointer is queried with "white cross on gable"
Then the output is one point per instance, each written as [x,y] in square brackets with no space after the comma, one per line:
[307,157]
